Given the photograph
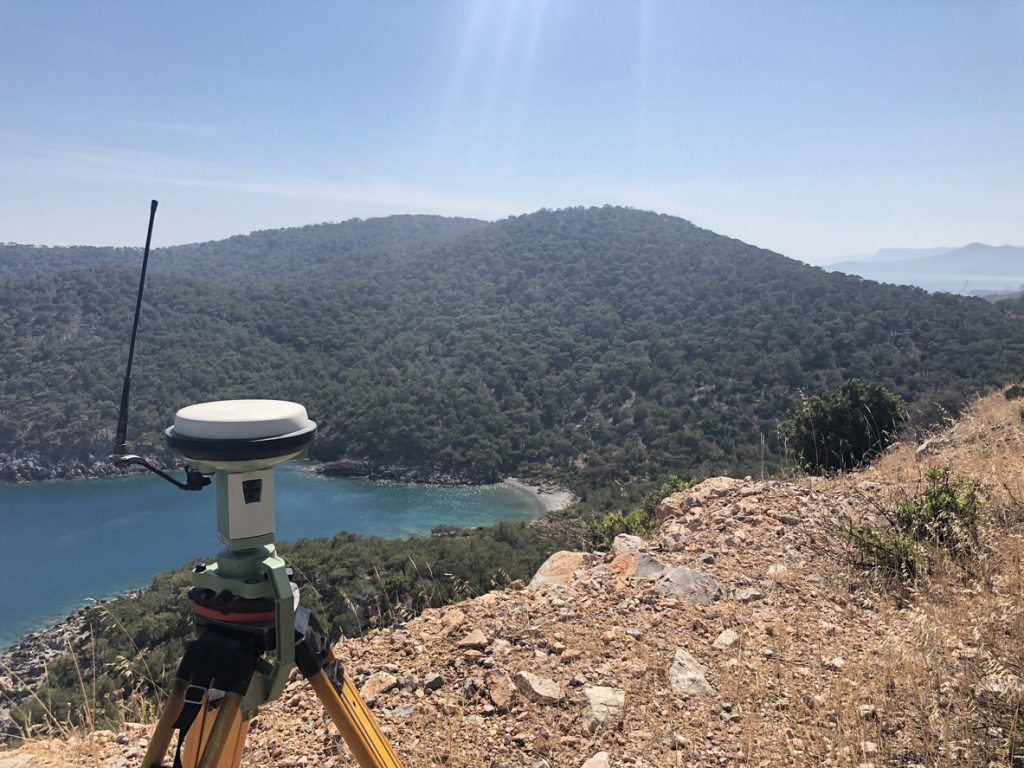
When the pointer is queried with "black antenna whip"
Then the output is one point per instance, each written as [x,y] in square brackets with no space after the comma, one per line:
[194,480]
[122,416]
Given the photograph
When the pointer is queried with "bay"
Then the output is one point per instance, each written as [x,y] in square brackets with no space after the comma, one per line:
[65,543]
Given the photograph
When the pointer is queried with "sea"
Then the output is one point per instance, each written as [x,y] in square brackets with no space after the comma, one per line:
[944,283]
[66,543]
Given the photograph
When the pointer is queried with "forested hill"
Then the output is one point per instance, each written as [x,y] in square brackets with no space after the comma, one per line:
[257,256]
[592,345]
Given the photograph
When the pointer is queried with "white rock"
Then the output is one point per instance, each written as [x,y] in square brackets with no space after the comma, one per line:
[726,639]
[600,760]
[604,704]
[624,542]
[501,647]
[687,676]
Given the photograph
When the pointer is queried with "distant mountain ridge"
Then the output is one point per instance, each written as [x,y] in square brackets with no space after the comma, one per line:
[976,267]
[897,254]
[975,258]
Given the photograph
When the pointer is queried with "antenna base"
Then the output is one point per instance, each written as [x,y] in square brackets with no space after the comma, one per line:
[194,480]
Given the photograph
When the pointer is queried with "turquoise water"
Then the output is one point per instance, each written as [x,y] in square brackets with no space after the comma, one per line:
[65,543]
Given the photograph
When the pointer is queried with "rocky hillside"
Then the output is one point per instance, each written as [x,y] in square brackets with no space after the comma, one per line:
[742,633]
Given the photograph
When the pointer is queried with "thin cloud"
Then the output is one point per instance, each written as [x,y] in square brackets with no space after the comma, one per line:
[152,168]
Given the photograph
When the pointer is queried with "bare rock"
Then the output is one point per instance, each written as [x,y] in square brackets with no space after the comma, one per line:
[476,640]
[726,639]
[678,503]
[748,595]
[451,621]
[18,761]
[624,542]
[377,684]
[433,682]
[686,676]
[689,583]
[636,565]
[671,507]
[600,760]
[605,705]
[560,569]
[539,689]
[501,690]
[501,647]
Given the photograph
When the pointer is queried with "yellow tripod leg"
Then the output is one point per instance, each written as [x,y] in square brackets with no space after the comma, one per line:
[165,726]
[217,738]
[356,722]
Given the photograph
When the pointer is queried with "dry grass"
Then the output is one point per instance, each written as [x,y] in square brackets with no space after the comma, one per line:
[950,662]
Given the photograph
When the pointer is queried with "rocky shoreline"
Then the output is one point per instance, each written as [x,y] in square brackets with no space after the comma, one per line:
[36,468]
[552,497]
[371,470]
[23,665]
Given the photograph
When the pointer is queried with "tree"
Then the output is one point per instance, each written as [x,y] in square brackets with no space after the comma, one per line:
[843,427]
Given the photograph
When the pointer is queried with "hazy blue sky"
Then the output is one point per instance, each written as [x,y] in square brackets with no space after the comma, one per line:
[817,129]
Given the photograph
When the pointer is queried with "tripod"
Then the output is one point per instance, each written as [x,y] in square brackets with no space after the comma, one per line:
[252,630]
[218,669]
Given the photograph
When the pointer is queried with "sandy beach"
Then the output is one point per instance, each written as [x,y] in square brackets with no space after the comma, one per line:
[551,496]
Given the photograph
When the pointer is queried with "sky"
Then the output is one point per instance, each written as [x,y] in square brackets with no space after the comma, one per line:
[816,129]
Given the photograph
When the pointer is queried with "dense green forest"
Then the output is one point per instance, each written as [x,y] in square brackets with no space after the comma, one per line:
[595,346]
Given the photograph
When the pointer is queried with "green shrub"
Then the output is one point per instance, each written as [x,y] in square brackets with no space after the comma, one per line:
[891,554]
[841,428]
[943,517]
[1014,392]
[641,520]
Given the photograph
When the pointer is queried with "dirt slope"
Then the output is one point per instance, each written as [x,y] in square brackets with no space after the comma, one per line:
[739,635]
